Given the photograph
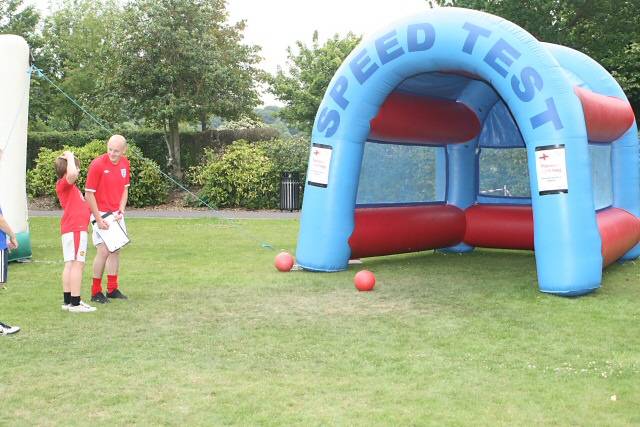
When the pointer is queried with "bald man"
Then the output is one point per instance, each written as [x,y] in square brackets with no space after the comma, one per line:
[107,190]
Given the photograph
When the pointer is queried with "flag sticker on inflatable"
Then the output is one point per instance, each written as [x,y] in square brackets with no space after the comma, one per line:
[551,168]
[319,163]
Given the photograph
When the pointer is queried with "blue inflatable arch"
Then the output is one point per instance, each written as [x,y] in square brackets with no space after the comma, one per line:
[457,81]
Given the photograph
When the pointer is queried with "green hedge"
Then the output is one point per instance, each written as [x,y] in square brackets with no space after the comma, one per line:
[148,186]
[150,141]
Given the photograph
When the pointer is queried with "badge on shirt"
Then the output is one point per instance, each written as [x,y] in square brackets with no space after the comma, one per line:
[123,172]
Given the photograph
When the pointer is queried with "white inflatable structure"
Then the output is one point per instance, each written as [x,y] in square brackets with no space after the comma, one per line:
[14,107]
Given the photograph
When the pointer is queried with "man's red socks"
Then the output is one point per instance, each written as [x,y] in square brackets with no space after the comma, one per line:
[112,283]
[97,286]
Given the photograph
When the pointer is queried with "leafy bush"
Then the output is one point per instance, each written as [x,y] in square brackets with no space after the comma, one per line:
[242,176]
[287,155]
[248,175]
[148,187]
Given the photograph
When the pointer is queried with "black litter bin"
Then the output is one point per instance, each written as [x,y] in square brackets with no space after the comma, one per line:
[290,191]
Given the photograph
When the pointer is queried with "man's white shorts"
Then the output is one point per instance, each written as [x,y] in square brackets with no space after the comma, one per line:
[95,237]
[74,246]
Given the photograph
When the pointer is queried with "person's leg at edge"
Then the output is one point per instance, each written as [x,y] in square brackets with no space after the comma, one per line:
[77,305]
[4,254]
[75,278]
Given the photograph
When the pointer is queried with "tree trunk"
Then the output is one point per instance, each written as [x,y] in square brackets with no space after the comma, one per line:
[74,120]
[174,142]
[203,122]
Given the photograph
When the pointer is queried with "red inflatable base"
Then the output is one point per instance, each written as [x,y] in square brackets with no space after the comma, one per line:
[394,230]
[499,226]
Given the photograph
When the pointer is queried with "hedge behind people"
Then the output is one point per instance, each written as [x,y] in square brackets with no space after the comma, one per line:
[148,186]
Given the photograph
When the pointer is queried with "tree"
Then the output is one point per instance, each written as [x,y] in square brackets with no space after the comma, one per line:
[310,70]
[269,115]
[606,30]
[177,60]
[74,57]
[15,18]
[21,20]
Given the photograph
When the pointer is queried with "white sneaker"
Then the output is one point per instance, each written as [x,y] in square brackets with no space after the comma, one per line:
[65,307]
[82,308]
[8,330]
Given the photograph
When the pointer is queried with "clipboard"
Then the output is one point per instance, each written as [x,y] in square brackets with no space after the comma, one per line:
[114,237]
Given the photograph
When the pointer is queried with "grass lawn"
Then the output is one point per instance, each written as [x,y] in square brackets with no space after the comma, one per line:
[213,335]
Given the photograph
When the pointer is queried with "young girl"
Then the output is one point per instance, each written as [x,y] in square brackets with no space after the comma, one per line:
[73,227]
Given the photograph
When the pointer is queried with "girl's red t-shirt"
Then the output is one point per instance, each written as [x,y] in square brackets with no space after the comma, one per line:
[76,210]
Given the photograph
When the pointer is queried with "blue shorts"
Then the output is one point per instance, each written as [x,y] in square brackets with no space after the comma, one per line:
[4,261]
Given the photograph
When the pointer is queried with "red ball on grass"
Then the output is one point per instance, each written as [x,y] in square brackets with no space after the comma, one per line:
[364,280]
[284,261]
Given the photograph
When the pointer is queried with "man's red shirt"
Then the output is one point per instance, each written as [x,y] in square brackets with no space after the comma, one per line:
[108,181]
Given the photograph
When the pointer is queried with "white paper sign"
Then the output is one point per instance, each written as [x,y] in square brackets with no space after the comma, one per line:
[319,164]
[551,168]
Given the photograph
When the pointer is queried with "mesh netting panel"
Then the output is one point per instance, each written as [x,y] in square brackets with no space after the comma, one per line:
[393,173]
[500,130]
[504,172]
[601,175]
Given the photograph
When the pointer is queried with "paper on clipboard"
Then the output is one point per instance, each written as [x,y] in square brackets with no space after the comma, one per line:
[114,237]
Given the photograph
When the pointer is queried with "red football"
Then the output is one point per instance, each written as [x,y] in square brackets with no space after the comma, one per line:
[284,261]
[364,280]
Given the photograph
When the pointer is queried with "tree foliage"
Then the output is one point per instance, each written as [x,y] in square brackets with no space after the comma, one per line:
[20,19]
[310,70]
[74,56]
[177,60]
[606,30]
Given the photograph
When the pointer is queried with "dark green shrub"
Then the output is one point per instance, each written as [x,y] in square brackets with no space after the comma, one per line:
[287,155]
[148,186]
[150,141]
[242,176]
[248,176]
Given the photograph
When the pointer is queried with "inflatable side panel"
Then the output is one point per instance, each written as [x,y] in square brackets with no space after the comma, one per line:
[607,117]
[393,230]
[625,151]
[14,87]
[620,231]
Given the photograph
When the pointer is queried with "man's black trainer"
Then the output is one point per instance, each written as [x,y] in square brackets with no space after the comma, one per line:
[99,298]
[116,294]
